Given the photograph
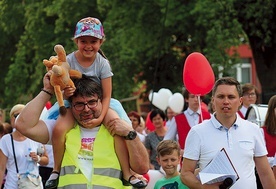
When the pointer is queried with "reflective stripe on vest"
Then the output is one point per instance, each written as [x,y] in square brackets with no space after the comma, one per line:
[97,171]
[106,167]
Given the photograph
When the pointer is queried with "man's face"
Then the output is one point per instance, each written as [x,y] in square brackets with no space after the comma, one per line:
[86,109]
[226,100]
[170,113]
[193,102]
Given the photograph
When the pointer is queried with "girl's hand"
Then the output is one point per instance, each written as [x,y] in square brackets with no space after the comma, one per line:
[68,91]
[92,123]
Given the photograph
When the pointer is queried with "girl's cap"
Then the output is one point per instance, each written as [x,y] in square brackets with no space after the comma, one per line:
[89,27]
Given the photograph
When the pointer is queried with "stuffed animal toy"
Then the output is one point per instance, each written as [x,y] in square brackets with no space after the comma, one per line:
[62,74]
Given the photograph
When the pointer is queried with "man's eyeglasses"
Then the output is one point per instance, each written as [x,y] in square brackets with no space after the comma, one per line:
[250,94]
[79,106]
[15,115]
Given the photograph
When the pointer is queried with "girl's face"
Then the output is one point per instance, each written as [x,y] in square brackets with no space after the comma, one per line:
[88,46]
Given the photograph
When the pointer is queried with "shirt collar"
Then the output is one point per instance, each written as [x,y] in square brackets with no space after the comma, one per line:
[219,126]
[191,112]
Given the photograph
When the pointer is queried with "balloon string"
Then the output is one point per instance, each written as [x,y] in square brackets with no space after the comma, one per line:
[199,103]
[151,97]
[160,46]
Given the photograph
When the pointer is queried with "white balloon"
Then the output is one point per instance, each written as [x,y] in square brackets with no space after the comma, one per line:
[157,101]
[176,102]
[165,94]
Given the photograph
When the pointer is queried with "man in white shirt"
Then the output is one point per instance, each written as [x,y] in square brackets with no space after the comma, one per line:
[242,140]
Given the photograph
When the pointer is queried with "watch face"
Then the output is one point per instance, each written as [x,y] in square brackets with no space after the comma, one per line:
[131,135]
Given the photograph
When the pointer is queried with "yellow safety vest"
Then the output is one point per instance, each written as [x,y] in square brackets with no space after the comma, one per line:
[106,166]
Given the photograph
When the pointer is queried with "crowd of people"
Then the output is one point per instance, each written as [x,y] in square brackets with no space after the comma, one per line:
[250,148]
[96,144]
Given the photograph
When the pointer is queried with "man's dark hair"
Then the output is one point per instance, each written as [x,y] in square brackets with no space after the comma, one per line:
[227,81]
[248,87]
[87,86]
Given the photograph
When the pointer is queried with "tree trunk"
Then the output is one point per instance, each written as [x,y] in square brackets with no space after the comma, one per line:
[265,60]
[259,23]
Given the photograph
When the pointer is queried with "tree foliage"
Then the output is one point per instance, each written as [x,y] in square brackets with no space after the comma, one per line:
[146,42]
[259,23]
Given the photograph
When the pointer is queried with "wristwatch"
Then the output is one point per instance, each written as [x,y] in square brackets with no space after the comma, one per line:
[131,135]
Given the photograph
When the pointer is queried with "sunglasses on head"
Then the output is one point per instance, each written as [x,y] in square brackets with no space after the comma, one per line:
[15,115]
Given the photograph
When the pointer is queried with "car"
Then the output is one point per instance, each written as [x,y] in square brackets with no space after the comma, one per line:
[256,113]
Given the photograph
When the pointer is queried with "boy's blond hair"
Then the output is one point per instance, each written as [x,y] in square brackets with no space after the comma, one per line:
[167,147]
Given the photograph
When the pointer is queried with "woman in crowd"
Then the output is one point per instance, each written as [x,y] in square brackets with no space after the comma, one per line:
[25,152]
[269,130]
[135,119]
[157,117]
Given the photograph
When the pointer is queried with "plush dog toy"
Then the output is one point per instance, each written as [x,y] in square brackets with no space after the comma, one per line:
[62,74]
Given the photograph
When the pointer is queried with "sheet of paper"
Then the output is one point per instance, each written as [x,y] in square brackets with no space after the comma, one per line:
[218,169]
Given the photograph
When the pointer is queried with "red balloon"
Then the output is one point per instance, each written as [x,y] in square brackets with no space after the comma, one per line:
[198,76]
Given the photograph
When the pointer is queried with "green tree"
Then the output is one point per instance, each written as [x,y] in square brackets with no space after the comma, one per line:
[258,20]
[146,42]
[44,24]
[11,28]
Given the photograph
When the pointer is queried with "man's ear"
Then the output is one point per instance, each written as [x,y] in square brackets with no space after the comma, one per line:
[158,160]
[241,100]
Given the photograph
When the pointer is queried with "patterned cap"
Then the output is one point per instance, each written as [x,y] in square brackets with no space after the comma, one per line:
[89,27]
